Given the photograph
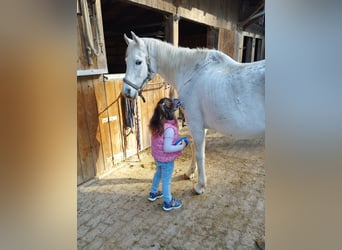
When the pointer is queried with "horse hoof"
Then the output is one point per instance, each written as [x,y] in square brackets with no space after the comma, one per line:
[198,190]
[189,177]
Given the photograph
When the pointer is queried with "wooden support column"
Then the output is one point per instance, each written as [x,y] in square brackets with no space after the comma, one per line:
[172,36]
[253,50]
[212,38]
[240,45]
[175,32]
[172,30]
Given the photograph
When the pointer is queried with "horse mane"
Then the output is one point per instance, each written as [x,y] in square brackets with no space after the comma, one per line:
[197,56]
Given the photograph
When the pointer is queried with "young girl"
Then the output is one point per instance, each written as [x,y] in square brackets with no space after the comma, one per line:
[164,129]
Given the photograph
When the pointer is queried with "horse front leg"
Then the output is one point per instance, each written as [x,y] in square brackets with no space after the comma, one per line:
[190,174]
[199,142]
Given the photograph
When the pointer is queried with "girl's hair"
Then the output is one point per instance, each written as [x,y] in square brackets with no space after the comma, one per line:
[163,111]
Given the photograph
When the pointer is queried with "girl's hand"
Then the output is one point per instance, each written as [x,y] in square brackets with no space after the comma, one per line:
[182,143]
[182,140]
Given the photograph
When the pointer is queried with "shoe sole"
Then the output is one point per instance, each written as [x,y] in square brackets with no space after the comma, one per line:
[153,199]
[168,209]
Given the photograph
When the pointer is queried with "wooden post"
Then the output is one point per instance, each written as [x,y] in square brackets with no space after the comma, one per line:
[212,38]
[253,49]
[171,30]
[171,36]
[174,30]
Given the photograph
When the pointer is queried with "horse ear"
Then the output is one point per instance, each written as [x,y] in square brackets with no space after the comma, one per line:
[136,39]
[127,39]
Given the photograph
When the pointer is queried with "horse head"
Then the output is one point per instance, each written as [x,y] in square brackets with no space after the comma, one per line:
[138,67]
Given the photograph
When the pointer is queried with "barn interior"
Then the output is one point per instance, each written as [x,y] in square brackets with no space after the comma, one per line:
[122,17]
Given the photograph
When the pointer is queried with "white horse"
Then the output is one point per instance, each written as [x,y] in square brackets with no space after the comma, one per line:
[215,91]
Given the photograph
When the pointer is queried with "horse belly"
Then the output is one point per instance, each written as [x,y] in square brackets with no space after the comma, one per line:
[238,116]
[237,129]
[236,125]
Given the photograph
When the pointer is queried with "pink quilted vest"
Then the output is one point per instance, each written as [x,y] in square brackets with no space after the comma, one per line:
[157,147]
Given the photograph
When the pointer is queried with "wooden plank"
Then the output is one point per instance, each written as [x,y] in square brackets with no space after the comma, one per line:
[83,142]
[81,58]
[80,178]
[92,122]
[103,133]
[113,98]
[101,60]
[120,150]
[226,42]
[88,72]
[80,130]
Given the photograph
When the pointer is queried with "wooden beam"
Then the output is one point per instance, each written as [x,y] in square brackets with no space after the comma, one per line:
[252,19]
[258,11]
[177,3]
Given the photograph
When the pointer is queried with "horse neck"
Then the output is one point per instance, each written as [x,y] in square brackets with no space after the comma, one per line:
[175,65]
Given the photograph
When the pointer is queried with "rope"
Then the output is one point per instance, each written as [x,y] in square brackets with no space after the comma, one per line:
[129,111]
[131,115]
[87,28]
[98,38]
[138,129]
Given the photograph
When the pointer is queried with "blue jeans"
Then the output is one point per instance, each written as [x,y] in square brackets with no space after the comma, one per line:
[164,173]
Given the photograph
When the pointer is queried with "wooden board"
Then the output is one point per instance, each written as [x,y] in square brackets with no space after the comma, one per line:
[85,159]
[104,133]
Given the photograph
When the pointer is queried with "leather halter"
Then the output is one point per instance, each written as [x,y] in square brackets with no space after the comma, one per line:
[145,81]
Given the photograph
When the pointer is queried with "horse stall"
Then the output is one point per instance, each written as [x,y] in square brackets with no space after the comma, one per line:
[110,128]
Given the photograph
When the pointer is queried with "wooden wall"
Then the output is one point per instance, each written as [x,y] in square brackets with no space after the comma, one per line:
[216,13]
[102,140]
[226,42]
[101,137]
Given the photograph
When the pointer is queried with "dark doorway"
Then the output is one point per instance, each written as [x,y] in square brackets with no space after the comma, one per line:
[192,34]
[257,51]
[121,18]
[247,49]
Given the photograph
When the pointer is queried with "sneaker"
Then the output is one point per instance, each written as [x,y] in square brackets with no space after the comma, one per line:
[173,204]
[154,196]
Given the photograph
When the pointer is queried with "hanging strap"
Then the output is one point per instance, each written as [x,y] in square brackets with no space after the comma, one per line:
[87,28]
[138,129]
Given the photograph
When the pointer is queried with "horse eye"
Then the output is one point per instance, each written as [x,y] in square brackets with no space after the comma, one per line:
[137,62]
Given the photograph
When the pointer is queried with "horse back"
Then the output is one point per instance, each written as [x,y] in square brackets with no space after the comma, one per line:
[230,97]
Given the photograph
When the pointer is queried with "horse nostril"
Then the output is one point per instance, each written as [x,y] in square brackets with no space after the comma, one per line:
[128,91]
